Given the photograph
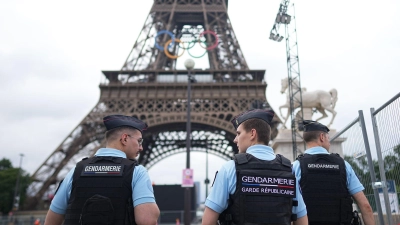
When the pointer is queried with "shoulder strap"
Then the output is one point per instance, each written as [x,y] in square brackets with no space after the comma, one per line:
[300,156]
[335,154]
[106,158]
[240,158]
[285,161]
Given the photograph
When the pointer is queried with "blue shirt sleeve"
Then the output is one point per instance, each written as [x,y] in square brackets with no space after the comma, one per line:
[142,190]
[300,209]
[296,170]
[224,184]
[60,201]
[353,183]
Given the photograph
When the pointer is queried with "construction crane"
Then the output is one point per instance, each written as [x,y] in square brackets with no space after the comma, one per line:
[293,68]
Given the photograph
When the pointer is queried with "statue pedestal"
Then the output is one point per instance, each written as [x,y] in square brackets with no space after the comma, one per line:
[282,144]
[307,113]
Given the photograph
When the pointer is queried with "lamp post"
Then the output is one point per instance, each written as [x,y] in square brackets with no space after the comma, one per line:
[189,64]
[206,181]
[15,205]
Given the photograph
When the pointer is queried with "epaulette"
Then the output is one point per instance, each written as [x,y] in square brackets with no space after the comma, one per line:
[337,155]
[240,158]
[214,178]
[300,156]
[285,161]
[136,162]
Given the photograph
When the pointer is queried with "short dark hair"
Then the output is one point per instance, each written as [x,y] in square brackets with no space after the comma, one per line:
[263,129]
[312,135]
[113,134]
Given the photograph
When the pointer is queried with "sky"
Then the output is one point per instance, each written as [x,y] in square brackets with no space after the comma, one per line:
[52,54]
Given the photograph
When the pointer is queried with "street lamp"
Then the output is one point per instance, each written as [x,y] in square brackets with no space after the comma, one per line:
[206,181]
[15,205]
[189,64]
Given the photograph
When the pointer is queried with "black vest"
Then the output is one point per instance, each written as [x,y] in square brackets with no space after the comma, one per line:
[105,177]
[264,192]
[324,188]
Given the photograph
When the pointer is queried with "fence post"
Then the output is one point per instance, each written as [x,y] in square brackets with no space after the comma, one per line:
[381,168]
[371,167]
[182,213]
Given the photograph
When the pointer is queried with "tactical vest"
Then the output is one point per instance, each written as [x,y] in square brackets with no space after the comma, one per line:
[107,180]
[324,189]
[264,192]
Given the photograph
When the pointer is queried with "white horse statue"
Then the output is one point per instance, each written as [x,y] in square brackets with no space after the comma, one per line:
[320,100]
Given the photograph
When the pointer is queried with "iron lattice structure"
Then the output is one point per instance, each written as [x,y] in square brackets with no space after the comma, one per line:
[293,68]
[149,87]
[183,18]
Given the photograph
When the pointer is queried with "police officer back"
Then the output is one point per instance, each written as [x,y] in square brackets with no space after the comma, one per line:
[257,186]
[327,181]
[109,188]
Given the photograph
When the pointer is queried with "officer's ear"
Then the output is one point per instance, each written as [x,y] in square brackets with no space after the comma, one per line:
[321,137]
[253,132]
[123,138]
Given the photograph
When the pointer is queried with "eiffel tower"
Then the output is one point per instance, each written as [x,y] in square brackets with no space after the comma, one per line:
[149,87]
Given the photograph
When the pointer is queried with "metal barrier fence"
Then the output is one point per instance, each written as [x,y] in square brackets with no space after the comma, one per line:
[352,141]
[386,127]
[379,172]
[166,218]
[21,219]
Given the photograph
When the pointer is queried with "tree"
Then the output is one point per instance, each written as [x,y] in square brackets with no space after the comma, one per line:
[8,178]
[392,164]
[361,169]
[5,164]
[391,167]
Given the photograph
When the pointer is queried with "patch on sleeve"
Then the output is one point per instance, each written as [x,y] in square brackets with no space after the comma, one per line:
[103,170]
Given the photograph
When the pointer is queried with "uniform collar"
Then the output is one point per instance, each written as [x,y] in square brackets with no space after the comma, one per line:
[110,152]
[261,151]
[316,150]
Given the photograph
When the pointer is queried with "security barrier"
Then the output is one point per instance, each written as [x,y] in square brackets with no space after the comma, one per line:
[29,217]
[356,152]
[378,171]
[386,127]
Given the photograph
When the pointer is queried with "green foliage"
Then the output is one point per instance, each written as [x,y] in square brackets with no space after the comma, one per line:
[391,167]
[5,164]
[8,178]
[361,169]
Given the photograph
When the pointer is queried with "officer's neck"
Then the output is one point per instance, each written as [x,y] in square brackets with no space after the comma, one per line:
[114,145]
[313,144]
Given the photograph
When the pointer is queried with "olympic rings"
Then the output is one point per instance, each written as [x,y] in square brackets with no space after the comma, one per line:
[166,49]
[189,47]
[181,44]
[164,32]
[200,55]
[212,33]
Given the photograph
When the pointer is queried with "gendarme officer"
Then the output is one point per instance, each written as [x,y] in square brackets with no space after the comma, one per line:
[109,188]
[257,186]
[327,181]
